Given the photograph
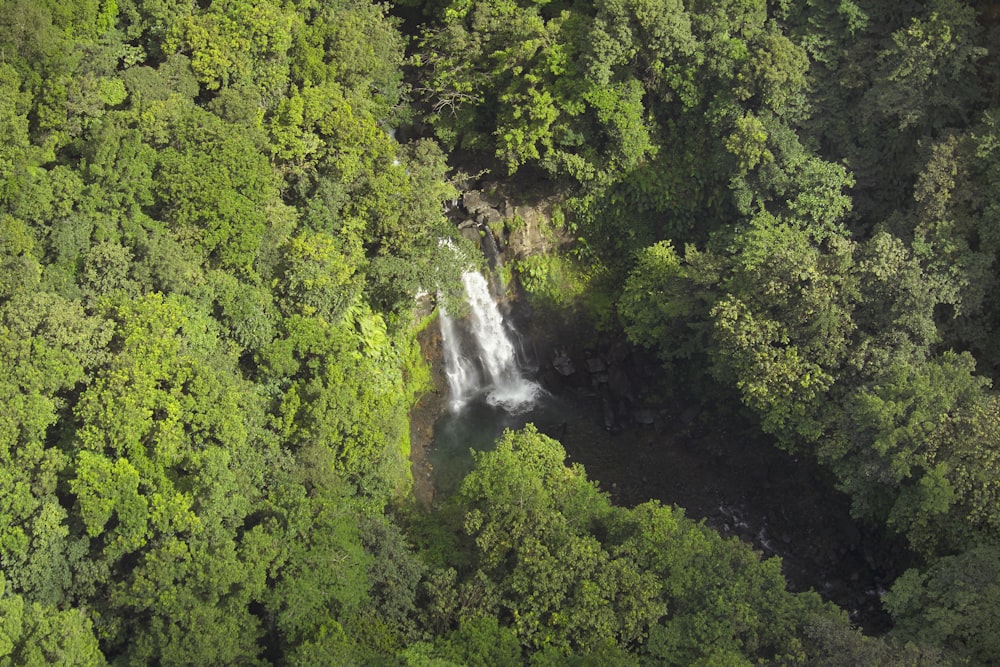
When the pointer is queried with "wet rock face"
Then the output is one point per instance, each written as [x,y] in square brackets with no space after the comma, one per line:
[611,372]
[563,364]
[489,216]
[492,215]
[478,219]
[483,207]
[597,367]
[485,213]
[475,202]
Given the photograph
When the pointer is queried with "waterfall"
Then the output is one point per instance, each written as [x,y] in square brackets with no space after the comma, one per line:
[463,376]
[488,244]
[492,368]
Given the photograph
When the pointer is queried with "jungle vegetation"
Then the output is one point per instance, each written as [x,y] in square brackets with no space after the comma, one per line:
[210,244]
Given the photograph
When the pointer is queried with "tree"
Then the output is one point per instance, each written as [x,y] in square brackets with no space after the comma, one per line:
[47,343]
[212,185]
[162,475]
[344,395]
[529,517]
[355,44]
[34,635]
[925,79]
[13,131]
[667,300]
[830,343]
[322,274]
[784,325]
[234,41]
[952,604]
[578,577]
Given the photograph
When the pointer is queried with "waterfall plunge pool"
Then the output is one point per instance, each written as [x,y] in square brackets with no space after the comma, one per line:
[489,389]
[753,492]
[478,424]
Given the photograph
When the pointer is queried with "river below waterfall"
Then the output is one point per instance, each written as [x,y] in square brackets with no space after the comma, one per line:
[735,481]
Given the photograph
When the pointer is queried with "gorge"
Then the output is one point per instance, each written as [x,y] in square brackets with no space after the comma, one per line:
[686,454]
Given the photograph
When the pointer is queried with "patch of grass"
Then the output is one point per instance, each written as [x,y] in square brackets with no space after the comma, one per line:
[558,283]
[416,369]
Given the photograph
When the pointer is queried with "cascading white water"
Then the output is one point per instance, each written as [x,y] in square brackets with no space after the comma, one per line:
[463,377]
[501,379]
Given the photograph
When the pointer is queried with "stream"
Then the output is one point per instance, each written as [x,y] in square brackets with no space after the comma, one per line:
[736,482]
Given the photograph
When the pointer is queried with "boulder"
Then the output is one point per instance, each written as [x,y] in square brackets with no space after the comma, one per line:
[563,364]
[472,200]
[645,416]
[471,233]
[488,216]
[476,201]
[596,365]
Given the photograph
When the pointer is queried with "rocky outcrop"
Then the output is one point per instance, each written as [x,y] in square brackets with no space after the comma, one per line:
[486,214]
[563,364]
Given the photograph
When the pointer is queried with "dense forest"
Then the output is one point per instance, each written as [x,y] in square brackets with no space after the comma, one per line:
[215,216]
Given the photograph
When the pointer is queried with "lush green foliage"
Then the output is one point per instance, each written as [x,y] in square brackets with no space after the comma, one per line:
[209,246]
[202,350]
[540,548]
[798,202]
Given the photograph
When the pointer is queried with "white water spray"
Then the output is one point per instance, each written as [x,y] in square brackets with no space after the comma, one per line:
[463,376]
[501,378]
